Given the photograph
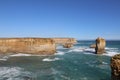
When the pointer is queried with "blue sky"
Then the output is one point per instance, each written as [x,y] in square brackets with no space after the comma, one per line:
[81,19]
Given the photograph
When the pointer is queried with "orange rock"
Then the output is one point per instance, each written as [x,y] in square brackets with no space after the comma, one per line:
[100,45]
[27,45]
[67,45]
[115,67]
[66,42]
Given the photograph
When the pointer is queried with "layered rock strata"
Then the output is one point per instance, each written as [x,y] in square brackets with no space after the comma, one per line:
[43,46]
[27,45]
[66,42]
[115,67]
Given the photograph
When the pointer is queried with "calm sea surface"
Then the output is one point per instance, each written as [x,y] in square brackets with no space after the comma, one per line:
[76,63]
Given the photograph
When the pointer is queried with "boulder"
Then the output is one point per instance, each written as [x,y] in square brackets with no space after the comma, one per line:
[100,46]
[115,67]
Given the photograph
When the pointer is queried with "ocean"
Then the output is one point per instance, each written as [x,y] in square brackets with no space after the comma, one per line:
[76,63]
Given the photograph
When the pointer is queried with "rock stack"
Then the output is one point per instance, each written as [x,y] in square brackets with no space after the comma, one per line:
[100,46]
[115,67]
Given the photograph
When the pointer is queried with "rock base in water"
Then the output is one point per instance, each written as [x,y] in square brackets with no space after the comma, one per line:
[115,67]
[100,46]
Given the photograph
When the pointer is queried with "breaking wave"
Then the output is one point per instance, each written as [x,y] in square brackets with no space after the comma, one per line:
[49,59]
[20,54]
[82,49]
[86,50]
[60,53]
[4,58]
[14,73]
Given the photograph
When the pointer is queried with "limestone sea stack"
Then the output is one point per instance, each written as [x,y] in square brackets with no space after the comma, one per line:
[115,67]
[100,46]
[42,46]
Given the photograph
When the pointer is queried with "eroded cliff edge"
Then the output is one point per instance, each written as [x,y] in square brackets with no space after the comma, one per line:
[27,45]
[42,46]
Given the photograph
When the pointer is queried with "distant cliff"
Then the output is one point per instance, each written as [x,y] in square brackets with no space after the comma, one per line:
[27,45]
[66,42]
[43,46]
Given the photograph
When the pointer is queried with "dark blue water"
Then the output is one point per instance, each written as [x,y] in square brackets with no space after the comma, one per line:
[76,63]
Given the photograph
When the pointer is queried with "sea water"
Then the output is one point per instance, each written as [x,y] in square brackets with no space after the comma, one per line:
[76,63]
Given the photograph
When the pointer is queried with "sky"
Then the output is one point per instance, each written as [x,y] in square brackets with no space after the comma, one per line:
[80,19]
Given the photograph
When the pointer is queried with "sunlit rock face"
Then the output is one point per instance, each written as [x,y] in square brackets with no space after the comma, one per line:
[44,46]
[67,45]
[115,67]
[100,46]
[66,42]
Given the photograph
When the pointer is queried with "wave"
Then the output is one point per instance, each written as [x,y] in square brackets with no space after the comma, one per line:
[48,59]
[107,48]
[60,53]
[82,49]
[77,49]
[108,53]
[20,54]
[111,51]
[4,58]
[86,50]
[14,73]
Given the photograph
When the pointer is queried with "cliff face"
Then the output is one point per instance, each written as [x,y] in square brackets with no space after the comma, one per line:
[33,45]
[66,42]
[115,67]
[27,45]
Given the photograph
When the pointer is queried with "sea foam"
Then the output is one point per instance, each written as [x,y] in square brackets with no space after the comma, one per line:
[60,53]
[81,49]
[4,58]
[20,54]
[49,59]
[108,53]
[14,73]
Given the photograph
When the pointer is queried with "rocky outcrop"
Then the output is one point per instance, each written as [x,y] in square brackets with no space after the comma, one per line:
[115,67]
[44,46]
[93,46]
[27,45]
[67,45]
[66,42]
[100,46]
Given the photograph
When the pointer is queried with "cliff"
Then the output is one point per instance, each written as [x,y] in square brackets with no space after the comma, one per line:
[115,67]
[27,45]
[66,42]
[44,46]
